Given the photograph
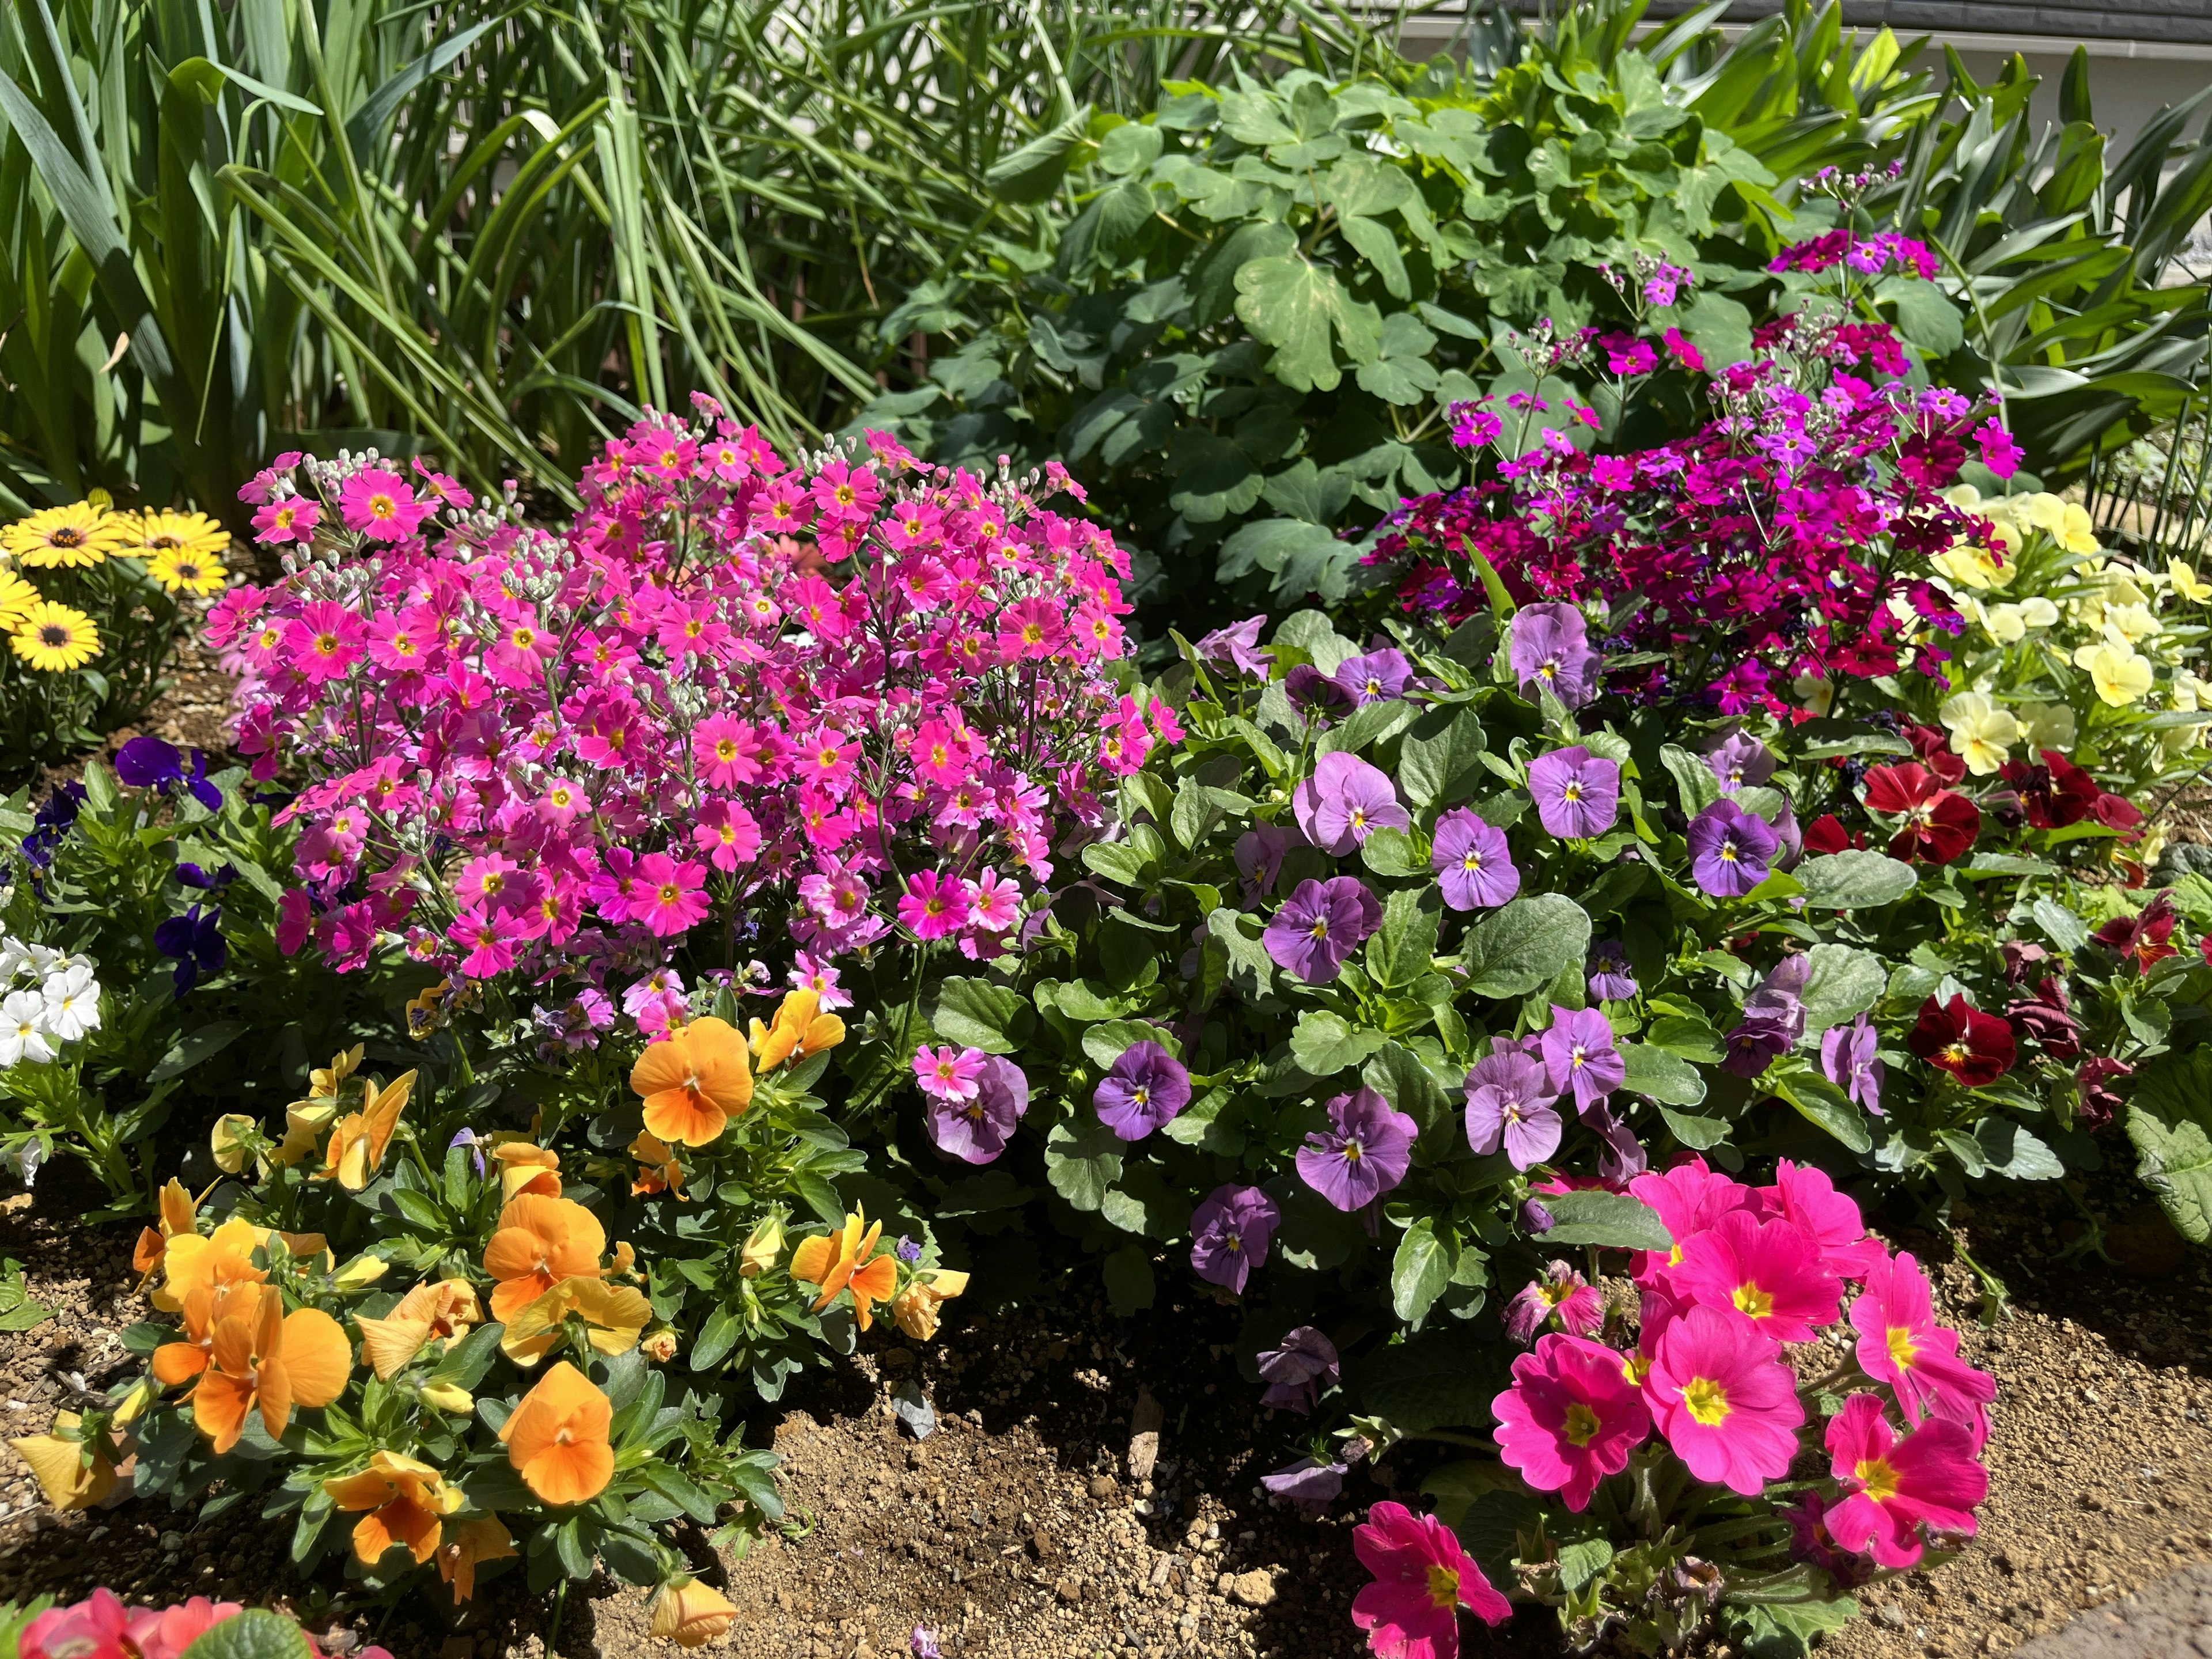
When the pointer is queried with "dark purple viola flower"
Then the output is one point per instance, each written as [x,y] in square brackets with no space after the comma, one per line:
[190,875]
[149,763]
[1757,1044]
[1473,863]
[1849,1059]
[1259,853]
[60,809]
[1313,694]
[1577,793]
[1364,1153]
[1238,645]
[1620,1155]
[194,941]
[1579,1056]
[1297,1368]
[1376,677]
[1551,649]
[1143,1090]
[1344,802]
[1511,1102]
[202,788]
[1611,978]
[1731,851]
[1741,760]
[1309,1483]
[1230,1233]
[976,1131]
[1320,924]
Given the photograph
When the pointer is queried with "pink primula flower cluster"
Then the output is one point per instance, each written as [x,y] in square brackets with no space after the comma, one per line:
[863,695]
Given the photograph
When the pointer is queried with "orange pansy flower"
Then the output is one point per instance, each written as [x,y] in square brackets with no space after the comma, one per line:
[472,1543]
[613,1316]
[408,1504]
[193,1262]
[273,1361]
[692,1615]
[840,1261]
[526,1168]
[180,1361]
[802,1029]
[179,1215]
[556,1439]
[694,1082]
[444,1310]
[541,1241]
[359,1143]
[660,1171]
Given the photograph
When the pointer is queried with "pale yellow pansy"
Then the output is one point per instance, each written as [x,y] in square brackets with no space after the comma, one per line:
[2134,622]
[2039,612]
[2047,725]
[2187,582]
[2120,676]
[2005,624]
[1981,732]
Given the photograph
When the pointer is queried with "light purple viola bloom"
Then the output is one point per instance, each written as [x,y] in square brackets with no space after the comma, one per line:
[976,1131]
[1741,760]
[1511,1102]
[1376,677]
[1780,995]
[1313,694]
[1297,1368]
[1731,851]
[1611,978]
[1757,1044]
[1259,853]
[1849,1059]
[1790,839]
[1238,645]
[1309,1483]
[1551,648]
[1230,1233]
[1473,863]
[1577,793]
[1620,1155]
[1579,1056]
[1364,1152]
[1143,1090]
[1344,802]
[1320,924]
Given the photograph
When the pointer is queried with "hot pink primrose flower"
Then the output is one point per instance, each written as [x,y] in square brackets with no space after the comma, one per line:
[949,1073]
[1893,1486]
[1724,1399]
[934,905]
[1901,1344]
[380,505]
[1767,1271]
[1422,1579]
[1689,1198]
[671,897]
[1804,1195]
[1571,1419]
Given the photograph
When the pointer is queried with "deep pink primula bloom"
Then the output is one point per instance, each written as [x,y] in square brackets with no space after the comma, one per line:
[993,903]
[827,761]
[294,913]
[1423,1576]
[933,905]
[1724,1399]
[1894,1486]
[484,880]
[487,939]
[1689,1198]
[380,505]
[1804,1195]
[670,898]
[1900,1344]
[1768,1271]
[728,834]
[949,1073]
[165,1632]
[287,519]
[325,641]
[1571,1419]
[92,1629]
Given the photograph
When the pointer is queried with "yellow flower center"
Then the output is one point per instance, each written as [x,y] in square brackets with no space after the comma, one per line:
[1879,1478]
[1443,1586]
[1903,1350]
[1751,1299]
[1582,1425]
[1707,1400]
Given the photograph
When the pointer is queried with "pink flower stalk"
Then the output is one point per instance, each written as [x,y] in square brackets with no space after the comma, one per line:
[1422,1578]
[1768,1271]
[1900,1344]
[1571,1419]
[1724,1400]
[1894,1486]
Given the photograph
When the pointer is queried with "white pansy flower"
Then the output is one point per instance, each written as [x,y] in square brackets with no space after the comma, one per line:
[2005,624]
[2047,725]
[2039,612]
[72,1003]
[24,1035]
[1815,693]
[15,957]
[2134,622]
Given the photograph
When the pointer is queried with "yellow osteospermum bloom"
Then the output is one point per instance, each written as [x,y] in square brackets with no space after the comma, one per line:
[53,637]
[16,598]
[2120,676]
[179,533]
[1981,733]
[183,571]
[82,535]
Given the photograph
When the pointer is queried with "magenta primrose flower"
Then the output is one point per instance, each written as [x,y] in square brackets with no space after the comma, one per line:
[1344,802]
[1895,1487]
[380,505]
[1320,924]
[1144,1089]
[1423,1577]
[1724,1399]
[1688,1199]
[1230,1232]
[1364,1153]
[1803,1194]
[1511,1103]
[1577,793]
[949,1074]
[1900,1344]
[1768,1271]
[1571,1419]
[977,1127]
[1579,1055]
[1731,851]
[1474,865]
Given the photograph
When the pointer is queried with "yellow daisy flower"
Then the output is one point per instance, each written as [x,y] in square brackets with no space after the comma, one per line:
[182,570]
[79,535]
[179,533]
[53,637]
[16,598]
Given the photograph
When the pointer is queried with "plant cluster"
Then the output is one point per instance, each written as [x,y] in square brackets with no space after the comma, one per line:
[102,1626]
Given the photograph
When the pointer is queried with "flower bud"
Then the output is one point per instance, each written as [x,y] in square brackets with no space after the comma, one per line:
[448,1397]
[762,1250]
[692,1615]
[224,1141]
[658,1345]
[360,1273]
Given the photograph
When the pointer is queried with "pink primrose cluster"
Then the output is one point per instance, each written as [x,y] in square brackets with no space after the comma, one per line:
[102,1627]
[868,694]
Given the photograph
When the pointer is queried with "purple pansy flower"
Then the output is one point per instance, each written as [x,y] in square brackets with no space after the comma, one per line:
[1756,1043]
[1141,1092]
[1376,677]
[1611,978]
[1309,1483]
[1620,1155]
[195,941]
[1344,802]
[1364,1152]
[1238,645]
[1297,1368]
[1741,760]
[1848,1057]
[1551,648]
[1474,865]
[1579,1056]
[1313,693]
[976,1131]
[150,764]
[1320,924]
[1230,1233]
[1511,1102]
[1259,853]
[1577,793]
[1731,851]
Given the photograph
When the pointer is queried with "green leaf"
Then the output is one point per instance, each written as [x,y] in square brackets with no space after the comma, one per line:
[1611,1220]
[1404,944]
[1695,1132]
[1323,1043]
[1130,1285]
[2170,1122]
[1524,944]
[1787,1630]
[1082,1166]
[1440,767]
[256,1633]
[18,1312]
[1032,173]
[1660,1076]
[2060,925]
[1392,854]
[1821,1102]
[1419,1271]
[1582,1561]
[716,1338]
[1696,783]
[1401,1077]
[1292,304]
[1924,316]
[1855,880]
[2012,1151]
[1844,983]
[202,1044]
[1693,1037]
[1106,1041]
[977,1014]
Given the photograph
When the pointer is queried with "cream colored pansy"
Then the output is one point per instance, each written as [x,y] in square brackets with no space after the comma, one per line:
[1964,496]
[2134,622]
[1975,566]
[1816,693]
[2046,726]
[2120,676]
[2187,582]
[2077,530]
[2039,612]
[1981,733]
[2005,624]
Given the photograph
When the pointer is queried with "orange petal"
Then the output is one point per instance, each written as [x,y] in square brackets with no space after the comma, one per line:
[318,1358]
[574,1474]
[178,1362]
[683,1115]
[219,1408]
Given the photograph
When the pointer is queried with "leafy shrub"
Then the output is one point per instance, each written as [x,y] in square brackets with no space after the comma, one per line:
[102,1627]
